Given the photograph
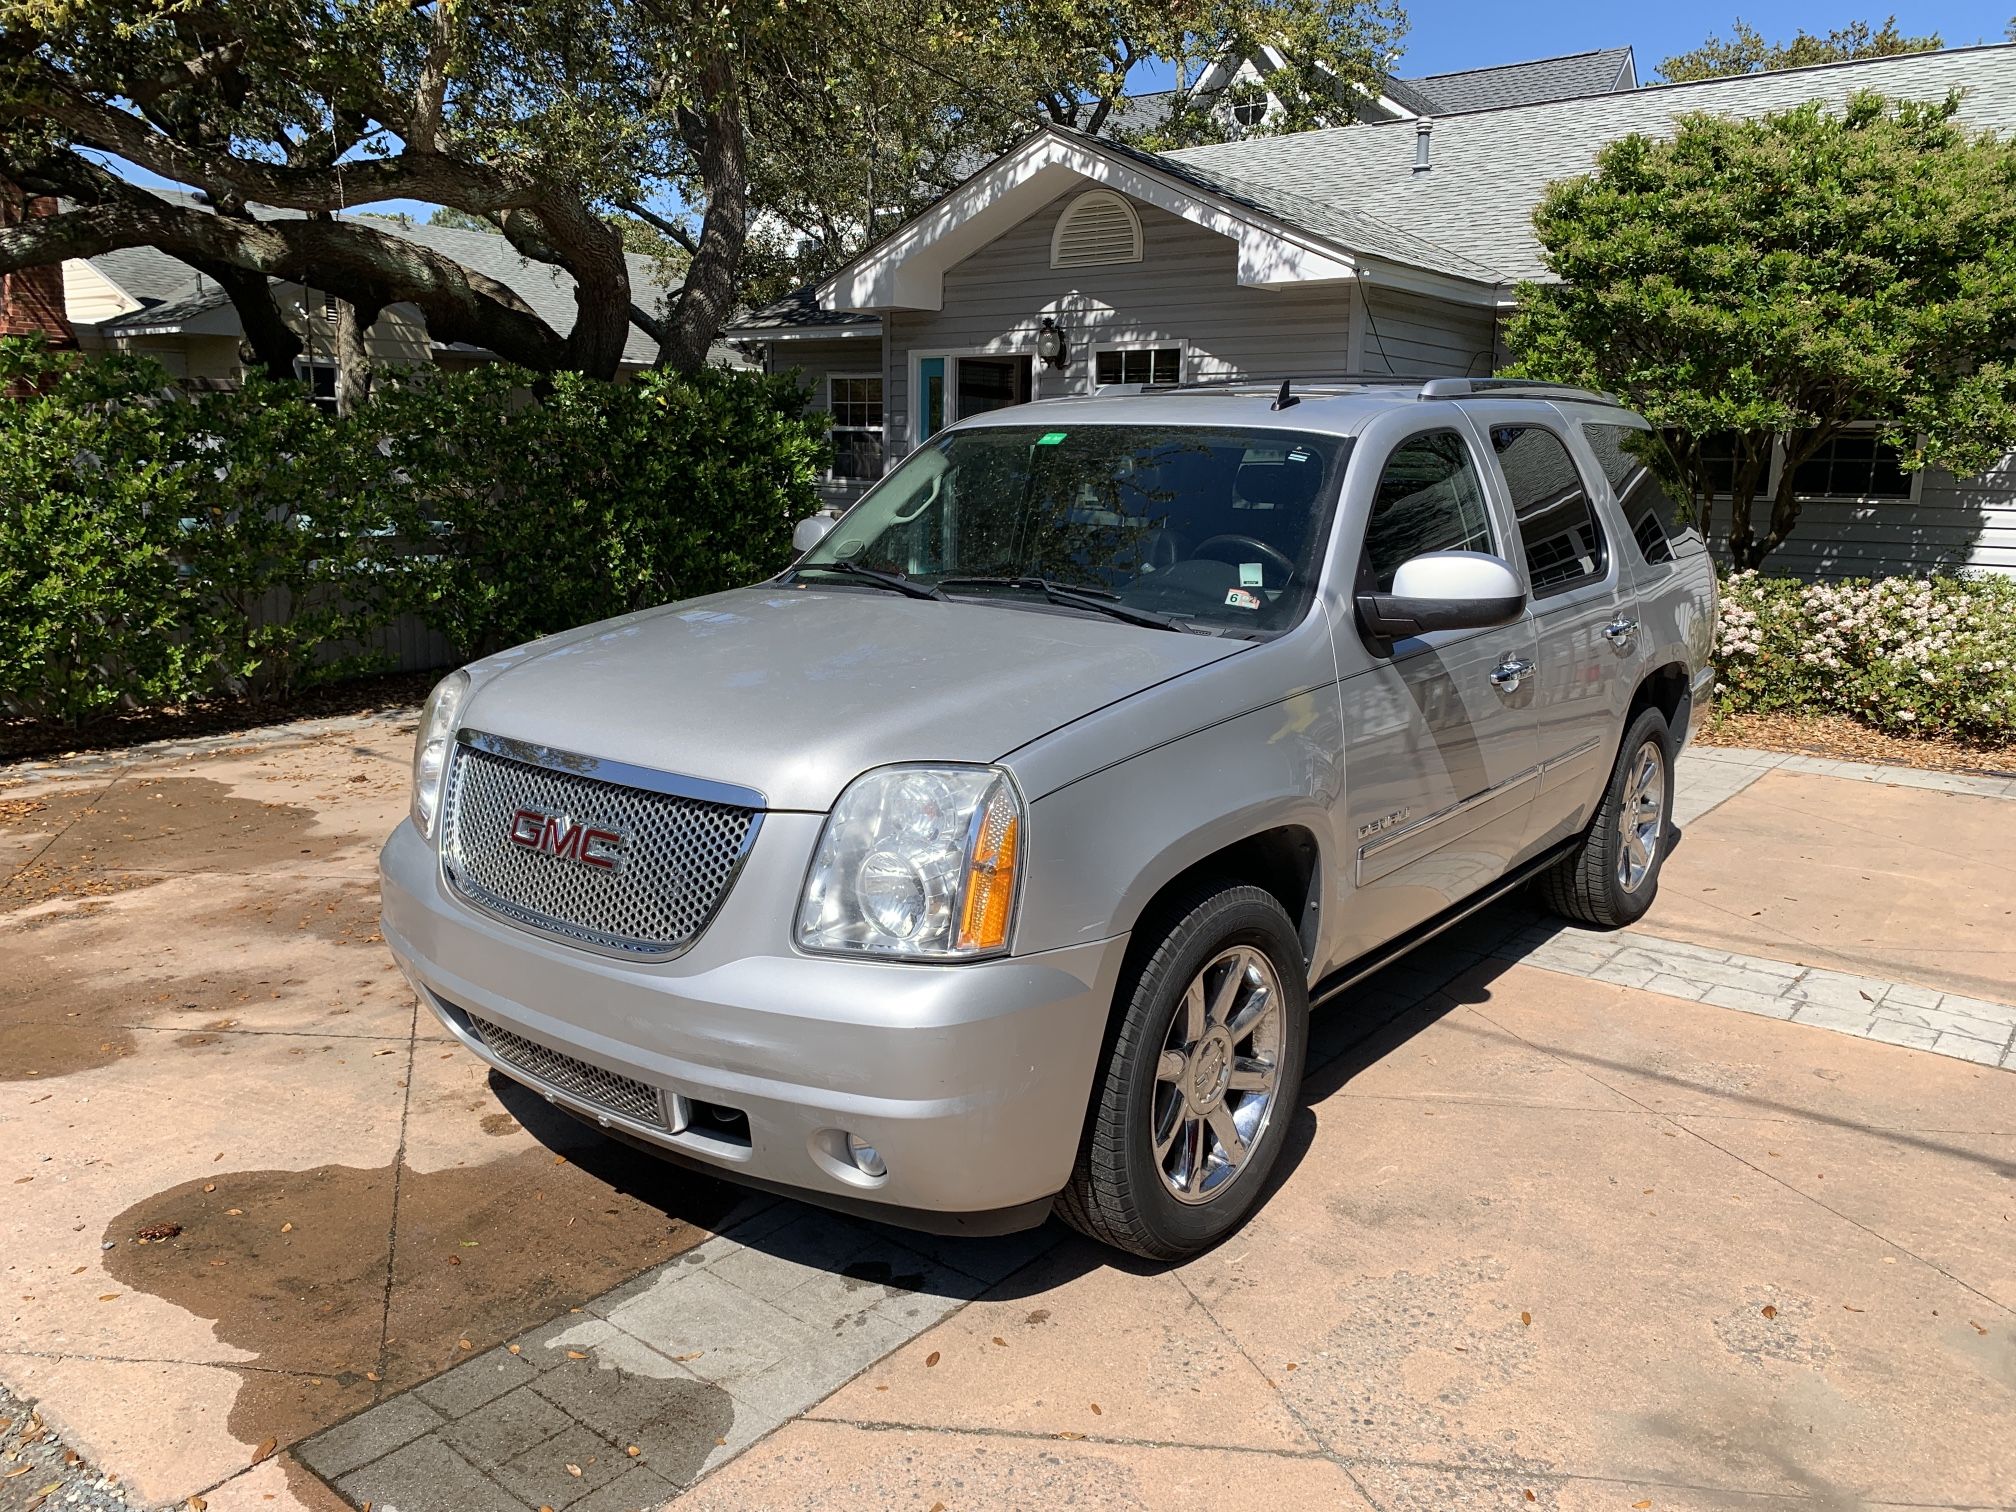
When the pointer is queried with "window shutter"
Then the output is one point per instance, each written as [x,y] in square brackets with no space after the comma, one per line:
[1096,228]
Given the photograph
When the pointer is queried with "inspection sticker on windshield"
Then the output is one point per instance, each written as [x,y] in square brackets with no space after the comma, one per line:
[1050,438]
[1239,598]
[1249,575]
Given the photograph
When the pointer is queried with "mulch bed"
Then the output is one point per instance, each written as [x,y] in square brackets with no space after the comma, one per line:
[22,739]
[1840,739]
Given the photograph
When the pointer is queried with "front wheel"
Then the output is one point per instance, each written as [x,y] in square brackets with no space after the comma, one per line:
[1202,1077]
[1611,877]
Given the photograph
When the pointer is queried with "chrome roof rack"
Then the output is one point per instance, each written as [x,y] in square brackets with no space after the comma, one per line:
[1424,387]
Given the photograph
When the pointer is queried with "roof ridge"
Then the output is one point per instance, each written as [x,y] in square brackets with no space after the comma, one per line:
[1457,73]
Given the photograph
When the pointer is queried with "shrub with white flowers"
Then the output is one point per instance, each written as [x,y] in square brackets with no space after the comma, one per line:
[1934,656]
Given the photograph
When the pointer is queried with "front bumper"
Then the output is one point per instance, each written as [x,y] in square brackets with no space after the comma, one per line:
[970,1080]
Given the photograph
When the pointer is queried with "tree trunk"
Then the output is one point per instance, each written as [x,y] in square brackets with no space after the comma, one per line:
[703,304]
[353,357]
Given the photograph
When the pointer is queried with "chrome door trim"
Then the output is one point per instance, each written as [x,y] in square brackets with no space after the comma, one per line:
[622,773]
[1442,816]
[1574,754]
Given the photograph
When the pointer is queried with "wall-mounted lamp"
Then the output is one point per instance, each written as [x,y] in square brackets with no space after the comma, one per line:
[1050,344]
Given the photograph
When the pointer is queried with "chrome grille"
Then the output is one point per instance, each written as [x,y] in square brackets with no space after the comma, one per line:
[657,884]
[605,1089]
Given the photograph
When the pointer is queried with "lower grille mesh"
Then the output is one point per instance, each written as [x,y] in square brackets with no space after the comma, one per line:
[605,1089]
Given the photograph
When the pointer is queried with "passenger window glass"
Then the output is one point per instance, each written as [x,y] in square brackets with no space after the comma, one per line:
[1657,519]
[1557,523]
[1429,499]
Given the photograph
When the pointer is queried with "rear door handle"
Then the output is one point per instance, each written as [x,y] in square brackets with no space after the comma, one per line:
[1621,632]
[1509,673]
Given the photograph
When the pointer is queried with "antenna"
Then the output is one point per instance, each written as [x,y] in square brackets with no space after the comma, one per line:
[1284,399]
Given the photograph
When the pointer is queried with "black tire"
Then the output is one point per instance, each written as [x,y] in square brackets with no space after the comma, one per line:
[1588,884]
[1118,1193]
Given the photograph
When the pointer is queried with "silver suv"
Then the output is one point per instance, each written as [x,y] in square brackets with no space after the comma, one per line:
[988,860]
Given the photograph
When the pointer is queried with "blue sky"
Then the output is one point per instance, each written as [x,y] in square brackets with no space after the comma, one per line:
[1444,35]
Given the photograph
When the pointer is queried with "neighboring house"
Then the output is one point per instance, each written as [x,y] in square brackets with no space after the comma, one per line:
[142,300]
[1241,83]
[1383,247]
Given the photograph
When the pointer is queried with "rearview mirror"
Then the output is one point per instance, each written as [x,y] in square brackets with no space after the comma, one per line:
[1443,590]
[811,530]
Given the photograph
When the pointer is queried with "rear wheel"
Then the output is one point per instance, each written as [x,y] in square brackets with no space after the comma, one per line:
[1611,878]
[1202,1076]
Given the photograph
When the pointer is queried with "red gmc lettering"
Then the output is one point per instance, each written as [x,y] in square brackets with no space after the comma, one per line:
[570,842]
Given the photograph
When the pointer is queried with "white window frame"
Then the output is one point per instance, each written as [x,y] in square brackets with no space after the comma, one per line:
[1133,215]
[880,427]
[1182,356]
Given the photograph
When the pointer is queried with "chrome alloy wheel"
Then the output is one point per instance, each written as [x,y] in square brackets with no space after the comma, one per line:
[1644,816]
[1217,1074]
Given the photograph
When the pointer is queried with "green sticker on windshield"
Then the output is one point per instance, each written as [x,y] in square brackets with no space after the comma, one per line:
[1050,438]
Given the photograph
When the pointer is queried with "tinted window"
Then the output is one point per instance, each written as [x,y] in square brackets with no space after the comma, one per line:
[1429,499]
[1657,519]
[1557,523]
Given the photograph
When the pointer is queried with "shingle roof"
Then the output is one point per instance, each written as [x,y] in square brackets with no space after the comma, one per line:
[147,273]
[1339,221]
[800,308]
[1565,78]
[547,289]
[1490,168]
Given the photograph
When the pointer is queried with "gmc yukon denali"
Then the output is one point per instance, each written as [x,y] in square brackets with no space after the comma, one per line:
[987,861]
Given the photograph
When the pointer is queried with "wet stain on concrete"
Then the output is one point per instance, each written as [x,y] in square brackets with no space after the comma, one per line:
[80,983]
[498,1124]
[301,1269]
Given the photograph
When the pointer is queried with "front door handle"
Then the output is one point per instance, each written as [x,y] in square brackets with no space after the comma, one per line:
[1509,673]
[1621,632]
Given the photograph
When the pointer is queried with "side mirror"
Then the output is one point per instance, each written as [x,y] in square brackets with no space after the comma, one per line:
[1443,590]
[811,530]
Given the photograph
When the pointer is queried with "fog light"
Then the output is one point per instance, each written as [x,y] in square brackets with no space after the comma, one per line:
[866,1156]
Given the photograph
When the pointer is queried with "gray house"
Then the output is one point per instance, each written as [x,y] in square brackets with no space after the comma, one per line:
[1382,247]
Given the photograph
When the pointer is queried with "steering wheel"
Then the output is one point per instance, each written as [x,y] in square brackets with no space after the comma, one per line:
[1271,553]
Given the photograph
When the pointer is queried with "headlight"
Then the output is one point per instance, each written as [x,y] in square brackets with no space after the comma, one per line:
[916,862]
[430,747]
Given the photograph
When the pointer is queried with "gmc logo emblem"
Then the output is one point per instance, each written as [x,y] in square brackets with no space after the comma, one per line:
[560,835]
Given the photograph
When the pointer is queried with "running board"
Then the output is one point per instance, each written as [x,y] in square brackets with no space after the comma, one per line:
[1354,972]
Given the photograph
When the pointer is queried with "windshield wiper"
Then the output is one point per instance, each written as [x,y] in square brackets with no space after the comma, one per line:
[879,579]
[1098,599]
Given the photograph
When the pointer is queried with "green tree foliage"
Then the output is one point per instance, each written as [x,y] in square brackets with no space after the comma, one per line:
[1777,280]
[1745,51]
[159,546]
[813,125]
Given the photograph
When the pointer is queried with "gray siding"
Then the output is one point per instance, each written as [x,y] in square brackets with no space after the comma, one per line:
[1956,523]
[1185,288]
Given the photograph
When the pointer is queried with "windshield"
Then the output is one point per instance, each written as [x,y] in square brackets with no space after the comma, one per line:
[1217,529]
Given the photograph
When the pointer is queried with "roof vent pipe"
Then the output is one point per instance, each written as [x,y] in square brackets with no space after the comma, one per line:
[1422,130]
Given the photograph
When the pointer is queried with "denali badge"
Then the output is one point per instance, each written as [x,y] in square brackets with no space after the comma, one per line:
[563,836]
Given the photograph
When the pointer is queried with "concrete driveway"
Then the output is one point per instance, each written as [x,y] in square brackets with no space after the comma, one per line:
[1717,1212]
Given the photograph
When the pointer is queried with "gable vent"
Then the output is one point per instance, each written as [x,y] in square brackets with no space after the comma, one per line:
[1097,227]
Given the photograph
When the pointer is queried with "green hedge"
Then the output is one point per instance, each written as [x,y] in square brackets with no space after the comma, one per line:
[158,546]
[1926,656]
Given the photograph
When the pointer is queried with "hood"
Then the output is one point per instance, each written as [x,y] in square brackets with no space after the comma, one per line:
[796,692]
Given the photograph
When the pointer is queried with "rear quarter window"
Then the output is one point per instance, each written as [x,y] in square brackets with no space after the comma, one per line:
[1660,524]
